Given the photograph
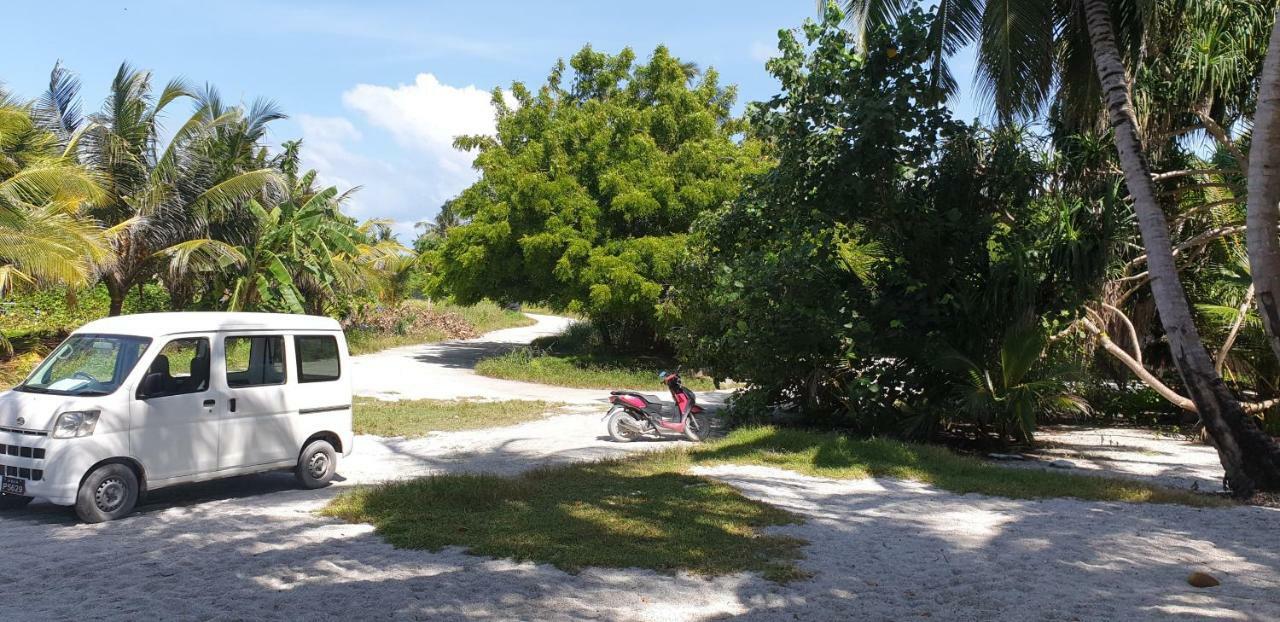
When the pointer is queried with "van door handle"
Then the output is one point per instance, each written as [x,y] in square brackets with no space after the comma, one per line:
[208,403]
[233,404]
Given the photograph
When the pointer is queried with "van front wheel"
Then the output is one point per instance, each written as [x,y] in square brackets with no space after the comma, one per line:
[108,493]
[316,465]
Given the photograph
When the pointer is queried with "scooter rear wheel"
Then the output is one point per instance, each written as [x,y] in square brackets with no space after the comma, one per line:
[619,431]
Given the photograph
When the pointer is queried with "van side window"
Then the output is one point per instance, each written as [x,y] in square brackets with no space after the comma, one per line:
[254,361]
[317,358]
[182,366]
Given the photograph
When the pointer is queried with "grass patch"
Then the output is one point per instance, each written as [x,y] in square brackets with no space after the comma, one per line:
[15,370]
[420,321]
[413,418]
[647,511]
[615,514]
[577,359]
[367,341]
[582,371]
[487,316]
[837,456]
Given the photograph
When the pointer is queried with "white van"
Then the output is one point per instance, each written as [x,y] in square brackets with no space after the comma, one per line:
[135,403]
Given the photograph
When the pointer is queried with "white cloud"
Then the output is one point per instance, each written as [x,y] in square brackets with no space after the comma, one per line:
[423,118]
[426,116]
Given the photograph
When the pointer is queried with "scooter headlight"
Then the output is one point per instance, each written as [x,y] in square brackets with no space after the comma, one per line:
[75,424]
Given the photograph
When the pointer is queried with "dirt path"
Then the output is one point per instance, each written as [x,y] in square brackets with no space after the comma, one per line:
[253,547]
[445,370]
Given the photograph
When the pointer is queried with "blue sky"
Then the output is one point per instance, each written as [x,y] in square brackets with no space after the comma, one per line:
[377,88]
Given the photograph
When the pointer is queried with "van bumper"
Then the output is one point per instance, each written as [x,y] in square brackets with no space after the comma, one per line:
[33,459]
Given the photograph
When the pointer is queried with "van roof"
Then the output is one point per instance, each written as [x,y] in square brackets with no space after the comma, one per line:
[160,324]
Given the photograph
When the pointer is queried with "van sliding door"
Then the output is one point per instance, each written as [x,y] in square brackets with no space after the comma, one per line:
[257,425]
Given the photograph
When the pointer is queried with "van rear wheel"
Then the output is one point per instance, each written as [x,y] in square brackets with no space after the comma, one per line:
[316,465]
[13,502]
[108,493]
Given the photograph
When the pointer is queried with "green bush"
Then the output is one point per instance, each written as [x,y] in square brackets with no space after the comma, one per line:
[30,318]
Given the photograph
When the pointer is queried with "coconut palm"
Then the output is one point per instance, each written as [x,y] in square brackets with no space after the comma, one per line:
[160,195]
[1264,194]
[44,236]
[302,256]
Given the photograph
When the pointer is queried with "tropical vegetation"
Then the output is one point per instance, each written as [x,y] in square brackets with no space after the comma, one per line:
[892,269]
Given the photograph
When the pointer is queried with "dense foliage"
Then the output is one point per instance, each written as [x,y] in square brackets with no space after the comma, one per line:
[590,185]
[894,253]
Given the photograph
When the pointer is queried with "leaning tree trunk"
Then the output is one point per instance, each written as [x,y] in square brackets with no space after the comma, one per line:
[1264,194]
[1250,457]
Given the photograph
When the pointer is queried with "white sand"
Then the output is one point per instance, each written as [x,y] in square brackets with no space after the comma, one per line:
[253,548]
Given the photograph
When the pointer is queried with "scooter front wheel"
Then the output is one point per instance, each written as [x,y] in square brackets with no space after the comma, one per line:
[693,428]
[619,430]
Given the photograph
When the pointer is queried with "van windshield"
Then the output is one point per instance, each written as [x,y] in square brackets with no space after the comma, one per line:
[87,365]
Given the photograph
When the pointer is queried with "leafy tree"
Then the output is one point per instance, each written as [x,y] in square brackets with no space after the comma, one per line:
[887,236]
[590,185]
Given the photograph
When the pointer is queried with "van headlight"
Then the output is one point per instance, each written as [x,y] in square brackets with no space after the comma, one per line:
[75,424]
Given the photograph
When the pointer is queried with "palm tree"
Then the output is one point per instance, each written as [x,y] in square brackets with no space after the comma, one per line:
[302,256]
[157,195]
[44,236]
[1250,457]
[1264,194]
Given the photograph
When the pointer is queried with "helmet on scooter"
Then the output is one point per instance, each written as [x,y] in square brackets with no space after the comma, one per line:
[662,375]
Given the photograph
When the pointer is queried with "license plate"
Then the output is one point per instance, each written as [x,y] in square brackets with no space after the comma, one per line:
[13,486]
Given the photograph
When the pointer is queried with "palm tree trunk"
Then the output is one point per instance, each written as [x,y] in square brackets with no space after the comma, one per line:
[1250,457]
[117,292]
[1264,194]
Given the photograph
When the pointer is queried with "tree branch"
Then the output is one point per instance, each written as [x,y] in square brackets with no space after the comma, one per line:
[1223,139]
[1133,332]
[1235,330]
[1187,172]
[1137,368]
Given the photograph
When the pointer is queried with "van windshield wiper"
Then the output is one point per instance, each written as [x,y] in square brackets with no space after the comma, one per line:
[31,389]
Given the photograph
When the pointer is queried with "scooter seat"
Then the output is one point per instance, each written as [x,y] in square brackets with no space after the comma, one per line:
[652,399]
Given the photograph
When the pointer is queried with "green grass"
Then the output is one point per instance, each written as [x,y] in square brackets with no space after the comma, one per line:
[582,371]
[487,316]
[647,511]
[578,358]
[838,456]
[412,418]
[481,318]
[617,514]
[368,342]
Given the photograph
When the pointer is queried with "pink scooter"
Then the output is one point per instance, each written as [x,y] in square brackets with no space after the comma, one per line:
[634,415]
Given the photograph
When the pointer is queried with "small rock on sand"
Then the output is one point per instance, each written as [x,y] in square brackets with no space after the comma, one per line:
[1203,579]
[1062,464]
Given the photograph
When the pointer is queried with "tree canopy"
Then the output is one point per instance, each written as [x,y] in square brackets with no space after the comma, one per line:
[591,183]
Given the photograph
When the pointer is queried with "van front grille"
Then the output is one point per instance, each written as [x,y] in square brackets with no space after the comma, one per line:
[24,431]
[23,472]
[35,453]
